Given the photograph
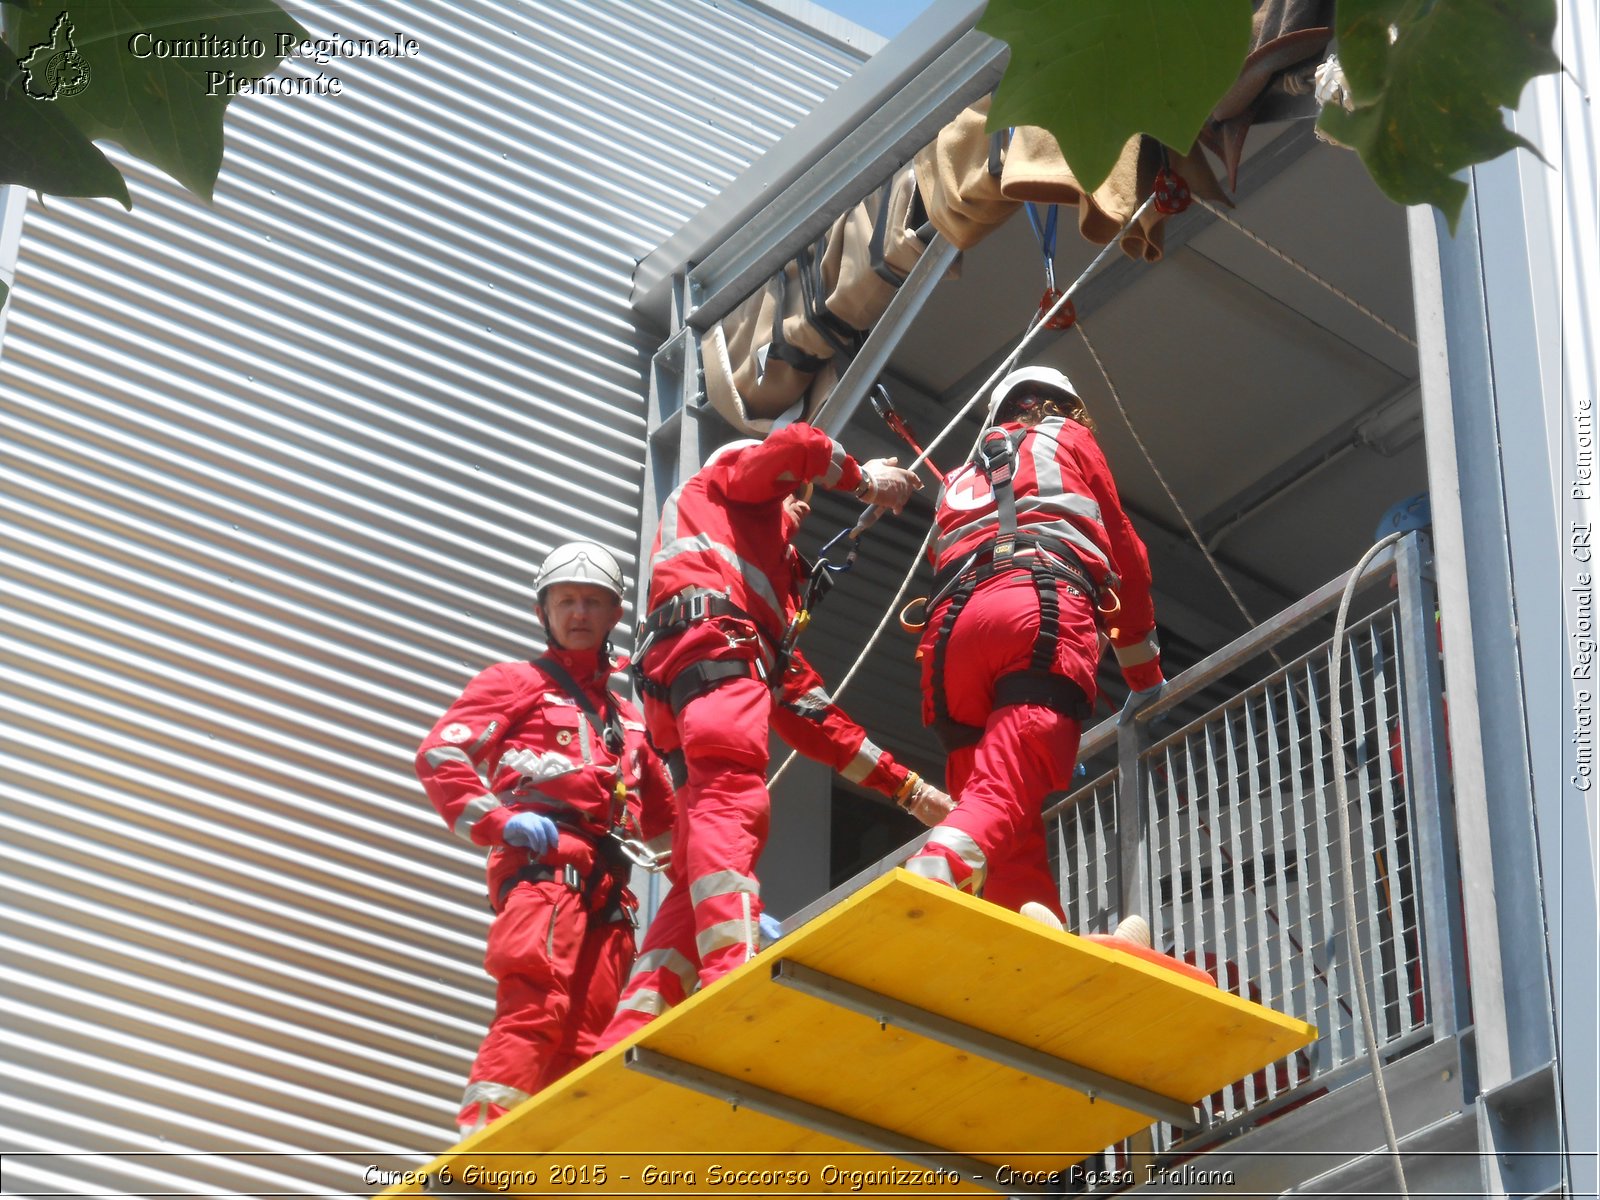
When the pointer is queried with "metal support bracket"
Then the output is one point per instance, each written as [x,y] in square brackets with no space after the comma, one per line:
[742,1094]
[886,1010]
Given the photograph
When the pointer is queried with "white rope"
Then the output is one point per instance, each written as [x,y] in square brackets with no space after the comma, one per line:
[1342,806]
[1306,271]
[1039,322]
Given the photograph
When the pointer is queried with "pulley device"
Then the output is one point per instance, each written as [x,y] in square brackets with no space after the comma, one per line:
[1045,230]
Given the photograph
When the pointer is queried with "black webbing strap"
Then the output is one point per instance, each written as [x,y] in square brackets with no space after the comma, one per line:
[780,347]
[880,232]
[997,459]
[608,727]
[1044,645]
[813,296]
[680,612]
[696,680]
[941,644]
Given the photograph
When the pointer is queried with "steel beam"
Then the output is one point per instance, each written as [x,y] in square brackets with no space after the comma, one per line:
[873,357]
[742,1094]
[864,158]
[886,1010]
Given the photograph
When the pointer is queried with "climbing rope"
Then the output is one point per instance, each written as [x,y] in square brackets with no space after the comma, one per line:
[1307,272]
[1347,855]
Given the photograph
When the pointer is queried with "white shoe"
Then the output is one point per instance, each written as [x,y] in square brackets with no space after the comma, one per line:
[1035,911]
[1135,928]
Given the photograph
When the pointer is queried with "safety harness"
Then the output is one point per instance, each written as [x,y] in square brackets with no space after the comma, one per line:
[1048,565]
[613,858]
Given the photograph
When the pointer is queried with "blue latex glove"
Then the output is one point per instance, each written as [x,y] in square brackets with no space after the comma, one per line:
[533,831]
[1137,701]
[771,928]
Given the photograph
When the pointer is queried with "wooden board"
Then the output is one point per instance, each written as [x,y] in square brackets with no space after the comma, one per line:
[922,945]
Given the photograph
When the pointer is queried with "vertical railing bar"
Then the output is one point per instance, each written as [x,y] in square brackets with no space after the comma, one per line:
[1432,806]
[1219,941]
[1271,994]
[1391,800]
[1303,859]
[1282,956]
[1367,848]
[1196,920]
[1155,829]
[1179,930]
[1332,904]
[1237,727]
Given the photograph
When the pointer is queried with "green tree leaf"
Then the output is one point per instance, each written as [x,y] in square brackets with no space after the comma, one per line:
[43,150]
[165,110]
[1428,99]
[1096,72]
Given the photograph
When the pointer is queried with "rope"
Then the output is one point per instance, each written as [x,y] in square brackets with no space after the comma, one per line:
[1306,271]
[1342,806]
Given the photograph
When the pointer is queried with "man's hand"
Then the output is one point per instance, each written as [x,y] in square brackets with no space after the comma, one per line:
[885,482]
[928,804]
[533,831]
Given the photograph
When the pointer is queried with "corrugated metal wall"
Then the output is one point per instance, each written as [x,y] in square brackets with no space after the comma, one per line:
[273,478]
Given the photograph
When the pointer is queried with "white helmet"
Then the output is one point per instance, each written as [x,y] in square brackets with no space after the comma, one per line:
[1045,377]
[579,562]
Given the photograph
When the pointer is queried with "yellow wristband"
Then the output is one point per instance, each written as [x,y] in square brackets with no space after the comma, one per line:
[907,789]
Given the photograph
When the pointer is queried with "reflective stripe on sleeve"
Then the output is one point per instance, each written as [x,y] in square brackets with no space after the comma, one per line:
[961,844]
[864,763]
[835,471]
[700,543]
[474,812]
[645,1000]
[440,755]
[1139,653]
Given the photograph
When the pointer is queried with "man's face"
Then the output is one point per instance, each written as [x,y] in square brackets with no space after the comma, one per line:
[580,615]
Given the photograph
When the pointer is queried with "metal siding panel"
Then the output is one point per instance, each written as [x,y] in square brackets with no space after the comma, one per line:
[274,475]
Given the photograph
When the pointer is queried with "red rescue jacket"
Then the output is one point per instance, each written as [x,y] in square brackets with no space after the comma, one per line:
[724,529]
[516,706]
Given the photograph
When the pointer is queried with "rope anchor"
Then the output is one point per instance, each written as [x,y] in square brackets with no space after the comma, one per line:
[1171,192]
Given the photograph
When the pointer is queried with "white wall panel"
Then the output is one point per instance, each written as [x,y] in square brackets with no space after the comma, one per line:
[274,475]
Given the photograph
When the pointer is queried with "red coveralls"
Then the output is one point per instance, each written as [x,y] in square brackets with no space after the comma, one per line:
[1066,499]
[562,938]
[725,532]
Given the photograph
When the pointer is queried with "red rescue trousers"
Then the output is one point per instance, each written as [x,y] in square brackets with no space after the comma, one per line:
[707,925]
[994,841]
[558,966]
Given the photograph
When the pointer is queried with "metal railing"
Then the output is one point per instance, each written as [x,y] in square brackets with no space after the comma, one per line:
[1221,831]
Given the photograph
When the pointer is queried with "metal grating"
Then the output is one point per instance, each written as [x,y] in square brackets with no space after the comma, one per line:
[273,475]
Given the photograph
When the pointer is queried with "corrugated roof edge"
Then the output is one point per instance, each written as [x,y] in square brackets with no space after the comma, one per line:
[856,99]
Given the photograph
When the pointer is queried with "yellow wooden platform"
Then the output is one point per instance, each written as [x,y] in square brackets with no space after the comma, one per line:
[909,1019]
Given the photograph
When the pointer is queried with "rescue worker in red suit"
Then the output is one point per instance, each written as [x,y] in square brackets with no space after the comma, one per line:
[568,775]
[1031,540]
[724,583]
